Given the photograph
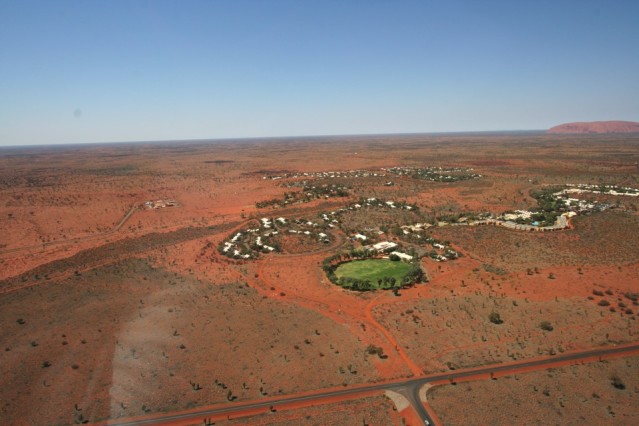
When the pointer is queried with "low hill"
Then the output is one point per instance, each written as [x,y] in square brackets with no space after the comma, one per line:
[597,127]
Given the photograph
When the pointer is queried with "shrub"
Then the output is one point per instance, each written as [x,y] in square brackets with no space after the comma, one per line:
[494,269]
[495,318]
[632,296]
[603,302]
[617,383]
[545,325]
[376,350]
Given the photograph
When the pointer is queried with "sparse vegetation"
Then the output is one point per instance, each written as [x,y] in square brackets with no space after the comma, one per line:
[273,316]
[631,296]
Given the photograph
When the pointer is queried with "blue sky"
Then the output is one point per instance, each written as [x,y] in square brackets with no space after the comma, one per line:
[99,71]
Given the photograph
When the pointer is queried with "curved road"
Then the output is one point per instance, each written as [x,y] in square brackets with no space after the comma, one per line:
[408,387]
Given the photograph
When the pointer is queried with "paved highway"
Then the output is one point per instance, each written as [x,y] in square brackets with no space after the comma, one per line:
[407,387]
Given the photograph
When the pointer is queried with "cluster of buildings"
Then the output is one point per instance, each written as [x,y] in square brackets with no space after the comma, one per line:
[599,189]
[435,174]
[560,223]
[231,248]
[578,205]
[389,247]
[248,243]
[325,175]
[160,204]
[332,217]
[518,214]
[570,206]
[449,174]
[374,202]
[439,250]
[308,193]
[307,224]
[416,228]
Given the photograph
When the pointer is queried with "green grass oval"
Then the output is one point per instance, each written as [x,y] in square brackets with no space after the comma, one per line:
[373,270]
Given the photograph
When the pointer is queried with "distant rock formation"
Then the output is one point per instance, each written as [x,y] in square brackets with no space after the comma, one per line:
[597,127]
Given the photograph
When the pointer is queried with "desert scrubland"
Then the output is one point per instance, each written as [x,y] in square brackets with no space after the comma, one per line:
[111,308]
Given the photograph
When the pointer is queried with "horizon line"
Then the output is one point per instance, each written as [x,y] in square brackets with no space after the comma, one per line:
[264,138]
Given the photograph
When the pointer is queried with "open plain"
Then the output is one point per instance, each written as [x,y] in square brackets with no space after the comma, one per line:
[138,279]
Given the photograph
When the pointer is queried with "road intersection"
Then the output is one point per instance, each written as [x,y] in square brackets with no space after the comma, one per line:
[409,388]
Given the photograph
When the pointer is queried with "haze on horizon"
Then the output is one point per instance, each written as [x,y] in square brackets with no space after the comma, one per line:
[81,72]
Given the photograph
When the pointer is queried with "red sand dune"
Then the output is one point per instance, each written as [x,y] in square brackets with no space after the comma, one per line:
[597,127]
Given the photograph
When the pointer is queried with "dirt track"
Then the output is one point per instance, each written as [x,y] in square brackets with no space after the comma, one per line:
[106,254]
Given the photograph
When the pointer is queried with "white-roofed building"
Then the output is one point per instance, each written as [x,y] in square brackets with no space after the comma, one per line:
[403,256]
[384,246]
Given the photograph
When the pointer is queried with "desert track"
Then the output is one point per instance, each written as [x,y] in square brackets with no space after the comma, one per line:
[107,254]
[117,227]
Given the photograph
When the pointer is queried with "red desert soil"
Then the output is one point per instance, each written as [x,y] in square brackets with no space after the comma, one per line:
[596,127]
[149,338]
[449,331]
[575,395]
[148,316]
[373,411]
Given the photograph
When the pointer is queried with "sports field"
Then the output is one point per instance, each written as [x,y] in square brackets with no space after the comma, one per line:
[373,270]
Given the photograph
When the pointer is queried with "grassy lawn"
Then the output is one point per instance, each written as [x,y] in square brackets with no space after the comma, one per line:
[373,269]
